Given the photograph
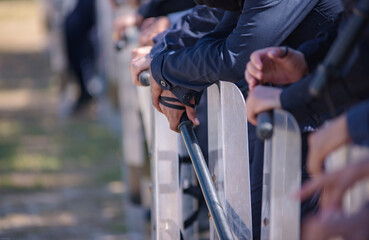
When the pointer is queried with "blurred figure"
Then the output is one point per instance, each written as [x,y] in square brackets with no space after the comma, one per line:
[330,221]
[354,227]
[79,34]
[151,18]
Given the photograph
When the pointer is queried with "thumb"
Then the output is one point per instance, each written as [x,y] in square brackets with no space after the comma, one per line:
[191,114]
[277,52]
[310,188]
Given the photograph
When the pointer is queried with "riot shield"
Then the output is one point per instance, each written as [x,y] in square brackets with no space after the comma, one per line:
[228,156]
[165,181]
[358,195]
[281,178]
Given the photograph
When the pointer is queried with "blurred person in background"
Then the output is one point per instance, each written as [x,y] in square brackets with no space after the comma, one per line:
[152,18]
[81,47]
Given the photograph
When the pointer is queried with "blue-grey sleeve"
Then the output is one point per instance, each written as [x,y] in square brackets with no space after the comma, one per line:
[188,30]
[156,8]
[223,54]
[358,123]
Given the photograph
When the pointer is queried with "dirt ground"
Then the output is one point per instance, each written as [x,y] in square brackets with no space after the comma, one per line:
[58,179]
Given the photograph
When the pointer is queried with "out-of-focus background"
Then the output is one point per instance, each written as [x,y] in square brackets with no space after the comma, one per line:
[60,171]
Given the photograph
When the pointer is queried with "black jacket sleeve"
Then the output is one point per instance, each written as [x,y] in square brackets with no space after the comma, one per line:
[353,85]
[315,50]
[358,123]
[223,54]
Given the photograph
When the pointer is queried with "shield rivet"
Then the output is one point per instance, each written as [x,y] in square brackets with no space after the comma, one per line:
[265,222]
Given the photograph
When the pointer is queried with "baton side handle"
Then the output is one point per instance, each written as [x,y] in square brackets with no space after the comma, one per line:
[264,129]
[144,78]
[121,43]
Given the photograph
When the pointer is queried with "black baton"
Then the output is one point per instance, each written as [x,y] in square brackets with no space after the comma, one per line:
[264,129]
[203,175]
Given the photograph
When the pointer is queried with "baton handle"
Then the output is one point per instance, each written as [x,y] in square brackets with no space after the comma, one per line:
[122,43]
[144,78]
[264,129]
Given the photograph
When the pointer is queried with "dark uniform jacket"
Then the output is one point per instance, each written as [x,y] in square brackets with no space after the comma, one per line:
[351,86]
[156,8]
[223,53]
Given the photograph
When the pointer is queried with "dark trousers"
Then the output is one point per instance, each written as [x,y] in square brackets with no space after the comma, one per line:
[80,48]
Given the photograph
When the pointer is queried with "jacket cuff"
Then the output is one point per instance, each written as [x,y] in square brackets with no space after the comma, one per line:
[184,95]
[358,124]
[156,72]
[295,98]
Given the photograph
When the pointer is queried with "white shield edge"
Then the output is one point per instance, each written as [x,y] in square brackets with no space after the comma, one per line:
[229,157]
[282,173]
[214,147]
[165,179]
[357,196]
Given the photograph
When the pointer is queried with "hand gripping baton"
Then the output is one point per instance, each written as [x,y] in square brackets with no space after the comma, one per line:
[264,129]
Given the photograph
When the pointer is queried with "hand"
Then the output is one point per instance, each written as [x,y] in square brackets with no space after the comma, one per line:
[123,22]
[320,228]
[140,61]
[354,227]
[155,93]
[113,3]
[272,65]
[334,186]
[148,33]
[174,115]
[321,143]
[261,99]
[147,23]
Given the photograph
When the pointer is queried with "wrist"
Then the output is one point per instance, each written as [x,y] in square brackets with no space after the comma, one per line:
[277,98]
[138,19]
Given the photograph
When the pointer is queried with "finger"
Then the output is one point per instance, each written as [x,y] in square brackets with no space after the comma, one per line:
[134,53]
[331,202]
[172,117]
[191,114]
[314,158]
[136,68]
[310,188]
[256,59]
[314,162]
[257,74]
[155,94]
[252,82]
[174,121]
[251,117]
[277,53]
